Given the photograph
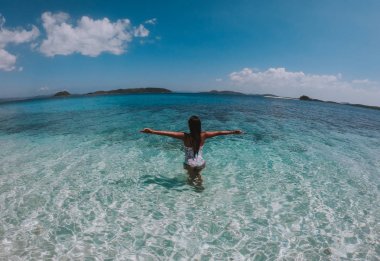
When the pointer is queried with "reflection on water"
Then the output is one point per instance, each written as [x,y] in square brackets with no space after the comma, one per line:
[168,183]
[178,183]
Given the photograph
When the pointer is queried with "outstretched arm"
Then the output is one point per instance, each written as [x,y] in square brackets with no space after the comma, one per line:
[210,134]
[173,134]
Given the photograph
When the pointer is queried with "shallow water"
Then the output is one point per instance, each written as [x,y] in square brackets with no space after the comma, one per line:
[77,180]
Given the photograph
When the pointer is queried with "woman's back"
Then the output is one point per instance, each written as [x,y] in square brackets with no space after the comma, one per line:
[189,141]
[193,153]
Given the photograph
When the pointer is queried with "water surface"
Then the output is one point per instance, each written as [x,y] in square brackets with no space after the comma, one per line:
[78,180]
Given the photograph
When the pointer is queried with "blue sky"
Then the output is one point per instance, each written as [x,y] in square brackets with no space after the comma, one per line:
[325,49]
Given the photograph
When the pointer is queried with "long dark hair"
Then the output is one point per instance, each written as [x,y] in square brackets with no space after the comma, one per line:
[195,133]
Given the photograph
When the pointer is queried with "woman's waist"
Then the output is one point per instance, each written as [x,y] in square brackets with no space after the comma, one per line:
[197,158]
[195,162]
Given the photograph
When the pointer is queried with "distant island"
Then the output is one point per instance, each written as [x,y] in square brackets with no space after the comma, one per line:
[307,98]
[132,90]
[224,92]
[118,91]
[62,94]
[163,90]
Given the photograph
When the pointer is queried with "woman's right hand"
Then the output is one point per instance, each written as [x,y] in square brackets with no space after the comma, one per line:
[147,130]
[237,132]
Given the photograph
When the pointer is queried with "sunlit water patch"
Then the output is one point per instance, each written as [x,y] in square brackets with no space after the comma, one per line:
[78,180]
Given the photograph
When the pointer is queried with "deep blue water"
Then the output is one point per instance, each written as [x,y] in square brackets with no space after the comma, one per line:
[78,180]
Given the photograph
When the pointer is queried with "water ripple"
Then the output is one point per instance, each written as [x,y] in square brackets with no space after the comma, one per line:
[78,181]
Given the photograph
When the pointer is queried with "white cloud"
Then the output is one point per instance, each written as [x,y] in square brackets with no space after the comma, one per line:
[88,37]
[151,21]
[7,61]
[141,31]
[279,81]
[16,36]
[44,88]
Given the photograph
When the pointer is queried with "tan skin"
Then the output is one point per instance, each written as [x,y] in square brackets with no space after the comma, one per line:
[194,174]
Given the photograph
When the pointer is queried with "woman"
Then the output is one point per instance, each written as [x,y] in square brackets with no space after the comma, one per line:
[193,141]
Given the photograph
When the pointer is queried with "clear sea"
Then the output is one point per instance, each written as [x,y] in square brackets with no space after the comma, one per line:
[79,181]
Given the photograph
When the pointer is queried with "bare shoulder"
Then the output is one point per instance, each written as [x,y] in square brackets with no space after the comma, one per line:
[207,134]
[203,136]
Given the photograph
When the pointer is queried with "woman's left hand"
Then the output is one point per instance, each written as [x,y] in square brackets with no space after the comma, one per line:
[147,130]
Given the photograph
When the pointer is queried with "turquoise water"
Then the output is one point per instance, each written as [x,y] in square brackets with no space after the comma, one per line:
[78,181]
